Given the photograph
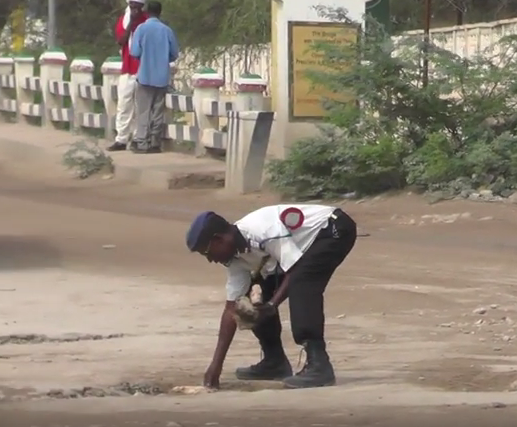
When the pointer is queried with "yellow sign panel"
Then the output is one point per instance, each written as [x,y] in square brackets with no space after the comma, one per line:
[305,100]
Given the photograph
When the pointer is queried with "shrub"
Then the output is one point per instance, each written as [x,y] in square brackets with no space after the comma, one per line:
[86,158]
[458,131]
[334,163]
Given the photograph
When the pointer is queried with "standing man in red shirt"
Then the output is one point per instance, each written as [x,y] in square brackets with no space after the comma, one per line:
[126,26]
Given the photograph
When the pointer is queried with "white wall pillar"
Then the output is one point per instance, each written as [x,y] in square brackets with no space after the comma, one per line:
[111,70]
[52,67]
[284,14]
[7,76]
[250,93]
[81,75]
[23,68]
[249,133]
[207,83]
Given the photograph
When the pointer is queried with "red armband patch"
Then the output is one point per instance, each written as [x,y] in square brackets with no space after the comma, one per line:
[292,218]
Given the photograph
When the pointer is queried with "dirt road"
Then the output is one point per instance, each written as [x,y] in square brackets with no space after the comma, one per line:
[98,297]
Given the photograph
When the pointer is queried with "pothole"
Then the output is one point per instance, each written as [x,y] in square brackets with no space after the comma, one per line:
[152,389]
[40,338]
[119,390]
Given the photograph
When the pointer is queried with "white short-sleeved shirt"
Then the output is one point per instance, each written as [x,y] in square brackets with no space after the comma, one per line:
[282,232]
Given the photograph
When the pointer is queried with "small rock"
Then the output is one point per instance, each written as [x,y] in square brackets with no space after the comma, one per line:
[341,316]
[506,193]
[479,322]
[487,218]
[497,348]
[109,246]
[513,198]
[173,424]
[107,177]
[486,194]
[498,405]
[494,306]
[466,193]
[421,378]
[507,338]
[474,196]
[447,219]
[480,310]
[348,196]
[447,325]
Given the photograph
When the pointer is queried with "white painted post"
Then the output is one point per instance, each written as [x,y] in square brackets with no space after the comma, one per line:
[111,70]
[23,68]
[6,74]
[52,65]
[207,83]
[81,73]
[6,65]
[250,93]
[249,133]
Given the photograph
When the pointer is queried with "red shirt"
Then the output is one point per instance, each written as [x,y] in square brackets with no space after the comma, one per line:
[129,63]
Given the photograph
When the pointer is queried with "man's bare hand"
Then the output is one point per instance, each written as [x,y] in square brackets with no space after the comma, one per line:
[211,378]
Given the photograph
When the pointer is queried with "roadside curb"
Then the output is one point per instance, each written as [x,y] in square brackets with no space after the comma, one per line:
[15,153]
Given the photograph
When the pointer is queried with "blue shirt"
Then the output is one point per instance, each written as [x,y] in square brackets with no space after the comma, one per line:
[155,44]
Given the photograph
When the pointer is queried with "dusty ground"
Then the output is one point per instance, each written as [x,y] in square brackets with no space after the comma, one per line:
[98,296]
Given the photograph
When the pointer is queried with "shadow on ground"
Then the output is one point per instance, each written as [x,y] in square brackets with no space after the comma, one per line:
[27,253]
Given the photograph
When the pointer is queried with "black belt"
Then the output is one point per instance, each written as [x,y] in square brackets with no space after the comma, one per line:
[341,224]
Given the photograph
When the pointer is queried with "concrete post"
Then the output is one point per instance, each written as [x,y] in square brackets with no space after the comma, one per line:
[52,65]
[111,70]
[248,139]
[23,68]
[7,79]
[206,83]
[81,74]
[6,65]
[250,93]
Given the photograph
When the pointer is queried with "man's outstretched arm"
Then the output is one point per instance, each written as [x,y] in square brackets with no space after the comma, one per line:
[227,328]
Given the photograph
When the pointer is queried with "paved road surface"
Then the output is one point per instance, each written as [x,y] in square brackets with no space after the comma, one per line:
[421,315]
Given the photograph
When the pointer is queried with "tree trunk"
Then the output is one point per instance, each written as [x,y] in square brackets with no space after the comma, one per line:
[6,8]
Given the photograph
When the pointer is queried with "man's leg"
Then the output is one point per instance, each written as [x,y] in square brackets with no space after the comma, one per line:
[158,120]
[144,102]
[274,364]
[125,112]
[132,123]
[308,282]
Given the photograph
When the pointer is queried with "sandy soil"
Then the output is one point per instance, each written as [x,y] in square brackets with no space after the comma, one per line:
[98,297]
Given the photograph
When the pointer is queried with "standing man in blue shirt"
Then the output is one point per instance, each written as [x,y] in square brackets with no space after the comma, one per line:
[155,45]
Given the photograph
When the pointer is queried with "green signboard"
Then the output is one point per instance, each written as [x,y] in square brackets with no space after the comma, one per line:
[380,10]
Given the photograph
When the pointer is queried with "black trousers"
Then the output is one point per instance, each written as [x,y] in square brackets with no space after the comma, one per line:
[307,283]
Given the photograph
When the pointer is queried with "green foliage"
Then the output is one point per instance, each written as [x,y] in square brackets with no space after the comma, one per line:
[208,28]
[86,158]
[334,163]
[460,127]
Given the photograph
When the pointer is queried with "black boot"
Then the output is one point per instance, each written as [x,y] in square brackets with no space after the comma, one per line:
[317,372]
[273,367]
